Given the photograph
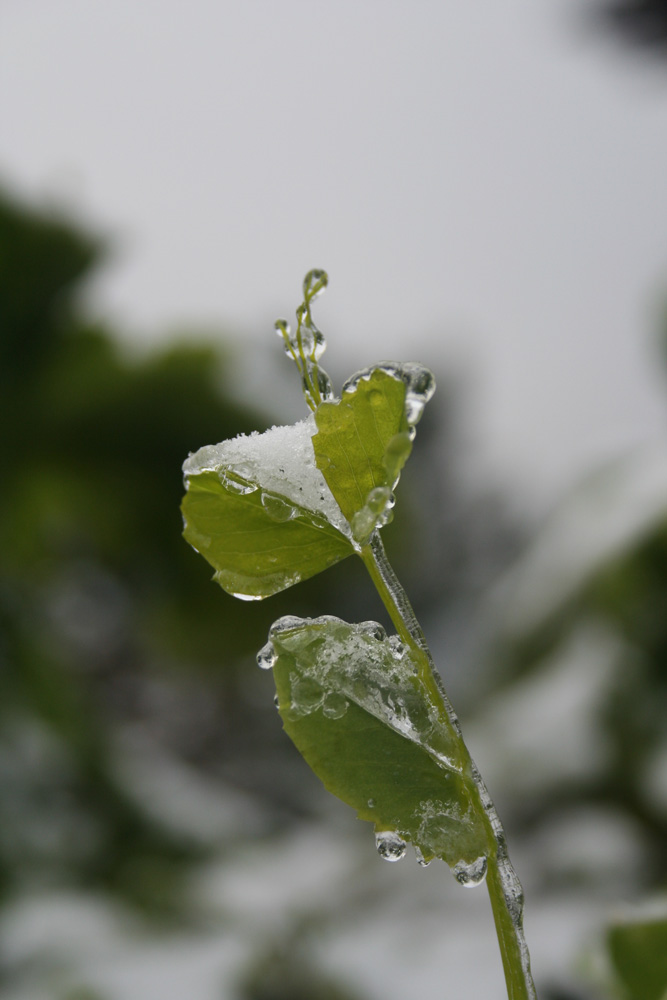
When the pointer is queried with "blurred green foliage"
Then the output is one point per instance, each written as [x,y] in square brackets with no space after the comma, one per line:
[641,23]
[284,975]
[624,599]
[100,599]
[638,951]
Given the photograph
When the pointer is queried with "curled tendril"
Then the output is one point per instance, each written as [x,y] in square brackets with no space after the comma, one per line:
[307,345]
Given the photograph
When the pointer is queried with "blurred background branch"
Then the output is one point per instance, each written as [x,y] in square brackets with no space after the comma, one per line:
[641,23]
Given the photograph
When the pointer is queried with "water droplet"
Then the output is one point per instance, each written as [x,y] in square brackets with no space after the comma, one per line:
[278,509]
[376,512]
[420,386]
[374,629]
[246,597]
[380,498]
[306,333]
[324,383]
[283,330]
[288,623]
[397,648]
[266,658]
[381,501]
[471,875]
[307,695]
[371,803]
[389,845]
[314,283]
[307,345]
[396,454]
[413,409]
[334,706]
[362,376]
[421,860]
[235,485]
[363,525]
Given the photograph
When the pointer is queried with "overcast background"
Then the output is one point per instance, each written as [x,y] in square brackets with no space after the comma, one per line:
[483,181]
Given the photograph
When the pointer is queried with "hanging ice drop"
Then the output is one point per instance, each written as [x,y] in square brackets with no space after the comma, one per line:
[389,845]
[471,875]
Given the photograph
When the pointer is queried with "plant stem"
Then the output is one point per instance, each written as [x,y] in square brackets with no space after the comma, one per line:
[505,892]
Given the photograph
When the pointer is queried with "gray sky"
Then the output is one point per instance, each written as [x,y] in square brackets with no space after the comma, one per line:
[484,183]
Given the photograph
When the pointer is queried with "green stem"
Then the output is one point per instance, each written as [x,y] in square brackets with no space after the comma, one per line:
[513,949]
[504,888]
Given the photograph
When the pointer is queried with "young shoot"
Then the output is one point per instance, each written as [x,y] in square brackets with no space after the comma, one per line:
[367,711]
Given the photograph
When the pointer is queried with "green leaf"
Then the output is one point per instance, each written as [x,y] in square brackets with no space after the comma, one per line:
[638,951]
[260,512]
[365,438]
[352,702]
[253,553]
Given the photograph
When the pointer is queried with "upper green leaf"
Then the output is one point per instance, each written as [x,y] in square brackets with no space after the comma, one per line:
[351,701]
[365,438]
[268,510]
[260,512]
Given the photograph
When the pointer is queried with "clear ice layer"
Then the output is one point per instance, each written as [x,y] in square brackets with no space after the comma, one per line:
[330,665]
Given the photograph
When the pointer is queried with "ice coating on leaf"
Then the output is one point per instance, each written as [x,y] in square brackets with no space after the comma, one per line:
[422,861]
[278,509]
[396,455]
[359,663]
[327,671]
[232,485]
[281,461]
[376,512]
[362,444]
[440,822]
[419,384]
[334,705]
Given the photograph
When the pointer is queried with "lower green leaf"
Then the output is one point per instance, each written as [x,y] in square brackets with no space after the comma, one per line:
[352,702]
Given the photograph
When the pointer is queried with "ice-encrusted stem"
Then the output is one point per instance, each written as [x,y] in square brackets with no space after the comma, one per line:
[505,892]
